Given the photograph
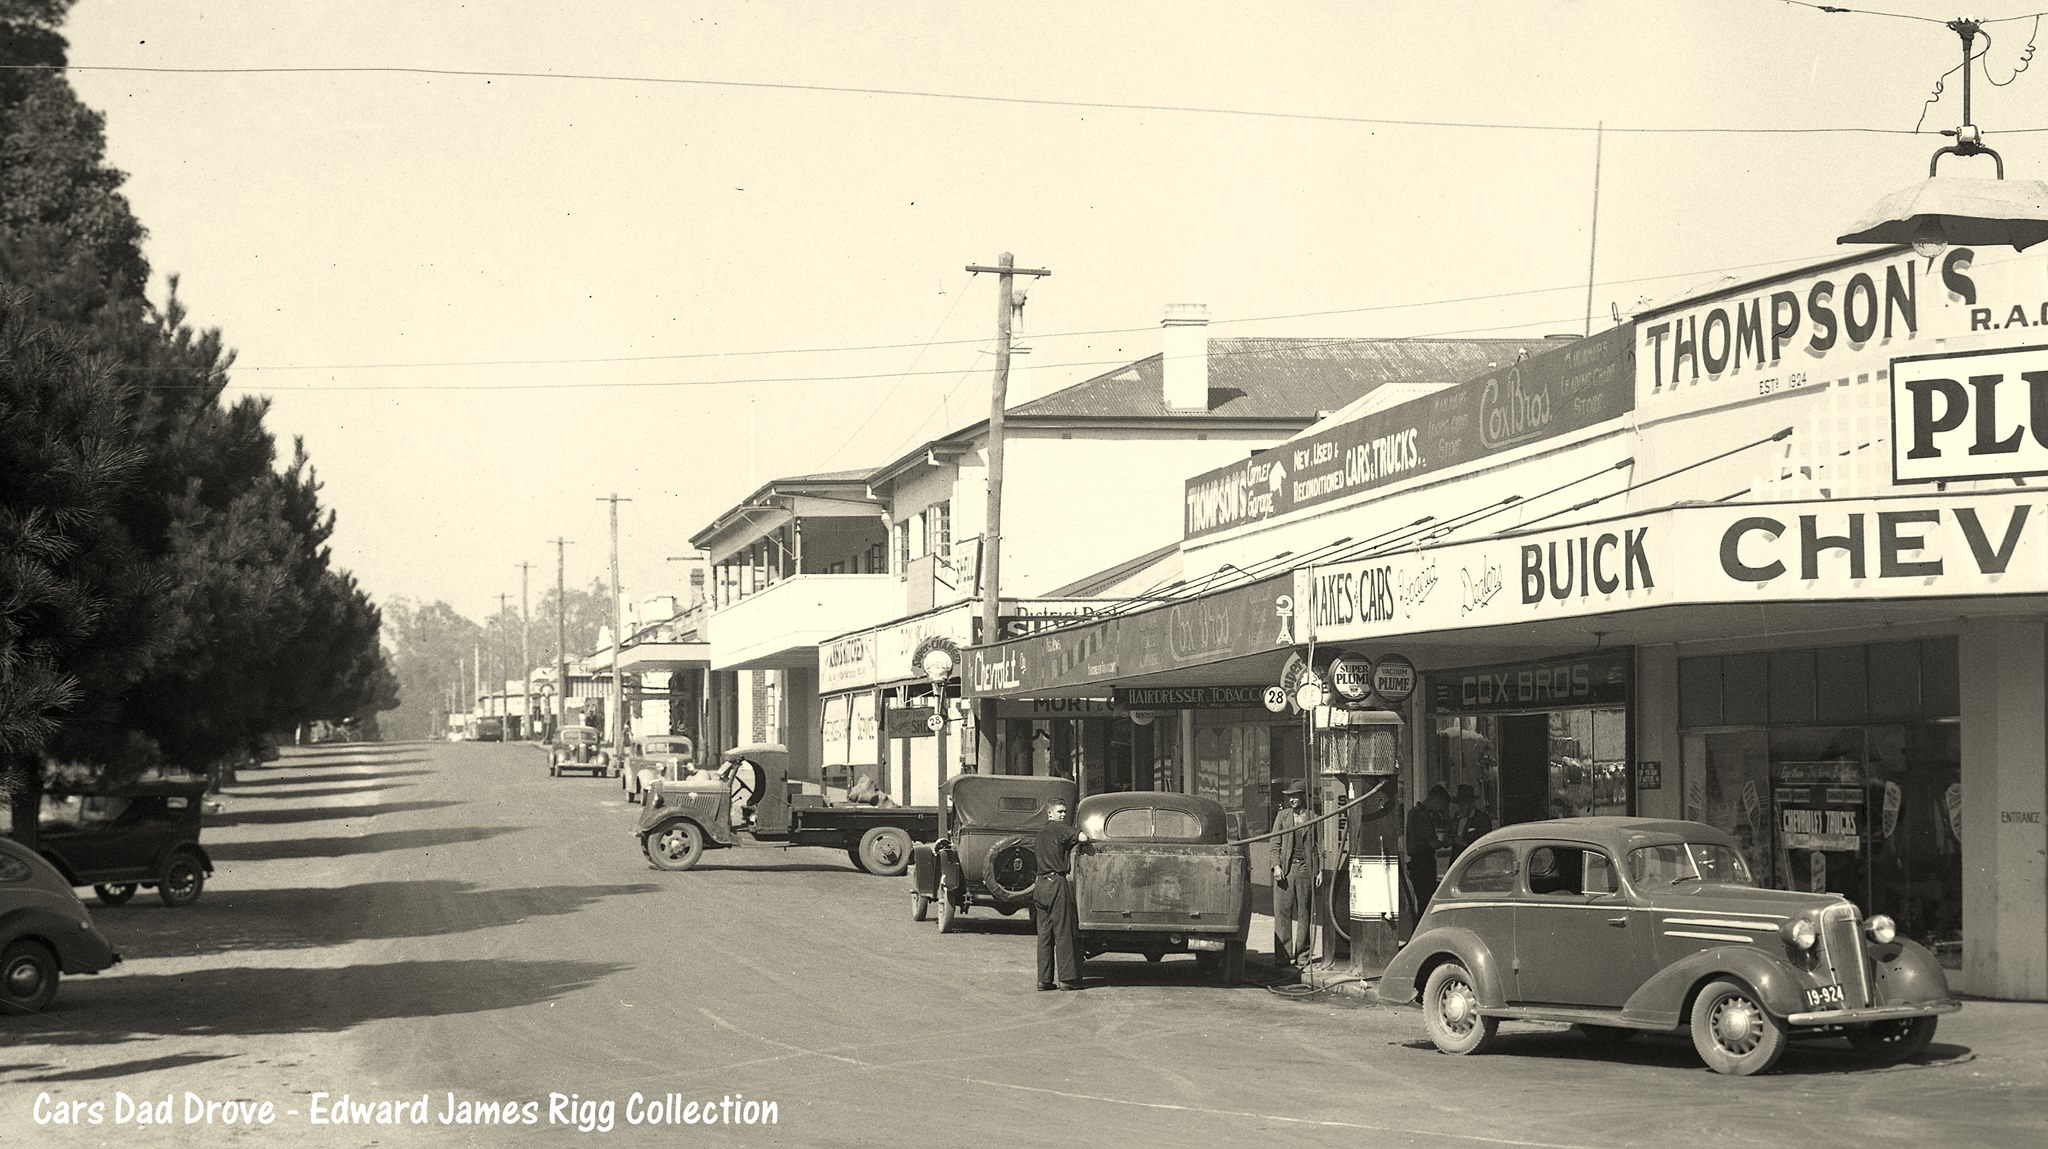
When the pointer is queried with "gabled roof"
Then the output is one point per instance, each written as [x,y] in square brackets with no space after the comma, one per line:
[1271,378]
[850,485]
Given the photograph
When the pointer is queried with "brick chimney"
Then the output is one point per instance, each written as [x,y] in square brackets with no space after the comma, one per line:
[1184,344]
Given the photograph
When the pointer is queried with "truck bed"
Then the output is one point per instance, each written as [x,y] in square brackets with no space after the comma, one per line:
[843,825]
[1157,886]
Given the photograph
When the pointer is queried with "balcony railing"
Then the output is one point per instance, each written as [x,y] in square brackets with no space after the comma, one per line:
[781,625]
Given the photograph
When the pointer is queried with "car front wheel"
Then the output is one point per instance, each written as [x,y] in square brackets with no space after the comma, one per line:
[28,977]
[920,906]
[116,894]
[181,881]
[1733,1032]
[676,846]
[947,911]
[1890,1042]
[1450,1010]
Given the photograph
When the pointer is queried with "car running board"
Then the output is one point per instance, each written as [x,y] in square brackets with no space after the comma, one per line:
[1566,1015]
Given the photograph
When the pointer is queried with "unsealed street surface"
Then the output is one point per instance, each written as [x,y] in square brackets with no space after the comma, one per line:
[392,921]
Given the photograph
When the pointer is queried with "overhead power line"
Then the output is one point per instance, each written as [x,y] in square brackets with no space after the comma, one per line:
[979,98]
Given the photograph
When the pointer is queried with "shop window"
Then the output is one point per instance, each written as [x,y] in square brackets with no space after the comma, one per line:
[1745,690]
[1490,873]
[1940,692]
[1699,692]
[1844,684]
[1792,688]
[1894,681]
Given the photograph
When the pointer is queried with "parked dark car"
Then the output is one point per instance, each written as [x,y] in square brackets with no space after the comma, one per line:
[45,932]
[487,729]
[578,748]
[142,835]
[1625,925]
[983,854]
[1158,876]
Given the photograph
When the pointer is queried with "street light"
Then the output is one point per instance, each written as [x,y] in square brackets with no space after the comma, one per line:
[1937,212]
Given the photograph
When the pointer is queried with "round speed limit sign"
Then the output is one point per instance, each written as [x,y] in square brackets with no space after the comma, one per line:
[1276,698]
[935,723]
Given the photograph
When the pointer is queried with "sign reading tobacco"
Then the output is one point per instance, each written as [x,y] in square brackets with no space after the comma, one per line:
[1572,386]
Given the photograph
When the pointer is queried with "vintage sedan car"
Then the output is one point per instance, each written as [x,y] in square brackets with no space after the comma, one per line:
[578,748]
[984,853]
[658,757]
[145,834]
[1158,875]
[45,932]
[1625,925]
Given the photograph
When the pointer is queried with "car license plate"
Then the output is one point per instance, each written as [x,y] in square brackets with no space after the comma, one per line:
[1824,997]
[1205,943]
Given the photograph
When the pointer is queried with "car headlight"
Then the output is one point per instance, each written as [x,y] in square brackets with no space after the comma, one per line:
[1800,933]
[1880,929]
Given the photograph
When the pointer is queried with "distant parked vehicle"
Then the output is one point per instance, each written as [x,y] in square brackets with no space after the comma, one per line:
[45,932]
[750,799]
[658,757]
[142,835]
[578,748]
[490,729]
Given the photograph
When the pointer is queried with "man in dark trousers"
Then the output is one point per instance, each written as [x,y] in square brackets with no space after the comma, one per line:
[1052,901]
[1428,828]
[1297,872]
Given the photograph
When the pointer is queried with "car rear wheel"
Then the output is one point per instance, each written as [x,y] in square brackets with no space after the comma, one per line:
[884,851]
[1890,1042]
[676,846]
[181,881]
[115,895]
[28,977]
[1733,1032]
[1450,1011]
[920,906]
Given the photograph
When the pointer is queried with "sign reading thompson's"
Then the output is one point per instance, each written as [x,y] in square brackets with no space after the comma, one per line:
[1572,386]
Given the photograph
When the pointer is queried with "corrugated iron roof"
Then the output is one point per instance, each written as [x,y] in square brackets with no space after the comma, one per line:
[1276,378]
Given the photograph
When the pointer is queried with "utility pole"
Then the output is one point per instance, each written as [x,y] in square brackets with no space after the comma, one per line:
[525,655]
[561,635]
[498,661]
[1005,270]
[476,673]
[618,716]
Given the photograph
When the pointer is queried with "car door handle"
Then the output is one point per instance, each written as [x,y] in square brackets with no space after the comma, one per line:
[1620,922]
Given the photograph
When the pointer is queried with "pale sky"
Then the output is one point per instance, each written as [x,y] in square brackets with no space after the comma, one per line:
[605,261]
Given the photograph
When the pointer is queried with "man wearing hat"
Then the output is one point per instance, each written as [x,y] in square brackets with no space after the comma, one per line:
[1469,819]
[1297,872]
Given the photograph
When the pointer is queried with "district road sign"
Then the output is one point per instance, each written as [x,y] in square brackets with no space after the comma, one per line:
[935,723]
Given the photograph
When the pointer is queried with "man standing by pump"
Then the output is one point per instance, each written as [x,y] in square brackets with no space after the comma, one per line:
[1297,873]
[1052,901]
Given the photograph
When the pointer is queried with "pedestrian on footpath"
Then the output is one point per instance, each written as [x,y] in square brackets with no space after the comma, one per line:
[1052,901]
[1428,830]
[1297,874]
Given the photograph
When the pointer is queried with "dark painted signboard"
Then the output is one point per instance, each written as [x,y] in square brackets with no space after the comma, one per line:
[1569,387]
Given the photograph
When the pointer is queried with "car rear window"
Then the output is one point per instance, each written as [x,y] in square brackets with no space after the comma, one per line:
[1149,823]
[1019,803]
[1492,872]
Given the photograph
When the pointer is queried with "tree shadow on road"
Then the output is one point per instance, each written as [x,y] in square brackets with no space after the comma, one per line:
[368,785]
[318,814]
[118,1069]
[280,779]
[253,1001]
[282,919]
[380,842]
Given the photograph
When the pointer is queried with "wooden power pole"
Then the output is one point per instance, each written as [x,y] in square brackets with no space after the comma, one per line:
[618,715]
[561,633]
[525,654]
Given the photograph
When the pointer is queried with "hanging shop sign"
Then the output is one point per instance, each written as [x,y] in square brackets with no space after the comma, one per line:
[1055,708]
[1973,415]
[1137,698]
[1566,388]
[1600,679]
[911,722]
[1932,546]
[1200,631]
[1393,679]
[1351,676]
[1033,615]
[885,655]
[1839,324]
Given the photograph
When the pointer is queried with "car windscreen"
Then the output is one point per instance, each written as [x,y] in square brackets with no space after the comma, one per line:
[1652,867]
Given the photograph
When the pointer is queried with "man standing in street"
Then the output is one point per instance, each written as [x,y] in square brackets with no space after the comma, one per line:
[1297,872]
[1052,901]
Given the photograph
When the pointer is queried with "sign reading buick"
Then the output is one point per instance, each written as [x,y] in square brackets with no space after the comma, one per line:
[1970,415]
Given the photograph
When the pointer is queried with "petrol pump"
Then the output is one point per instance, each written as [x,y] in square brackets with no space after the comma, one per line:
[1357,755]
